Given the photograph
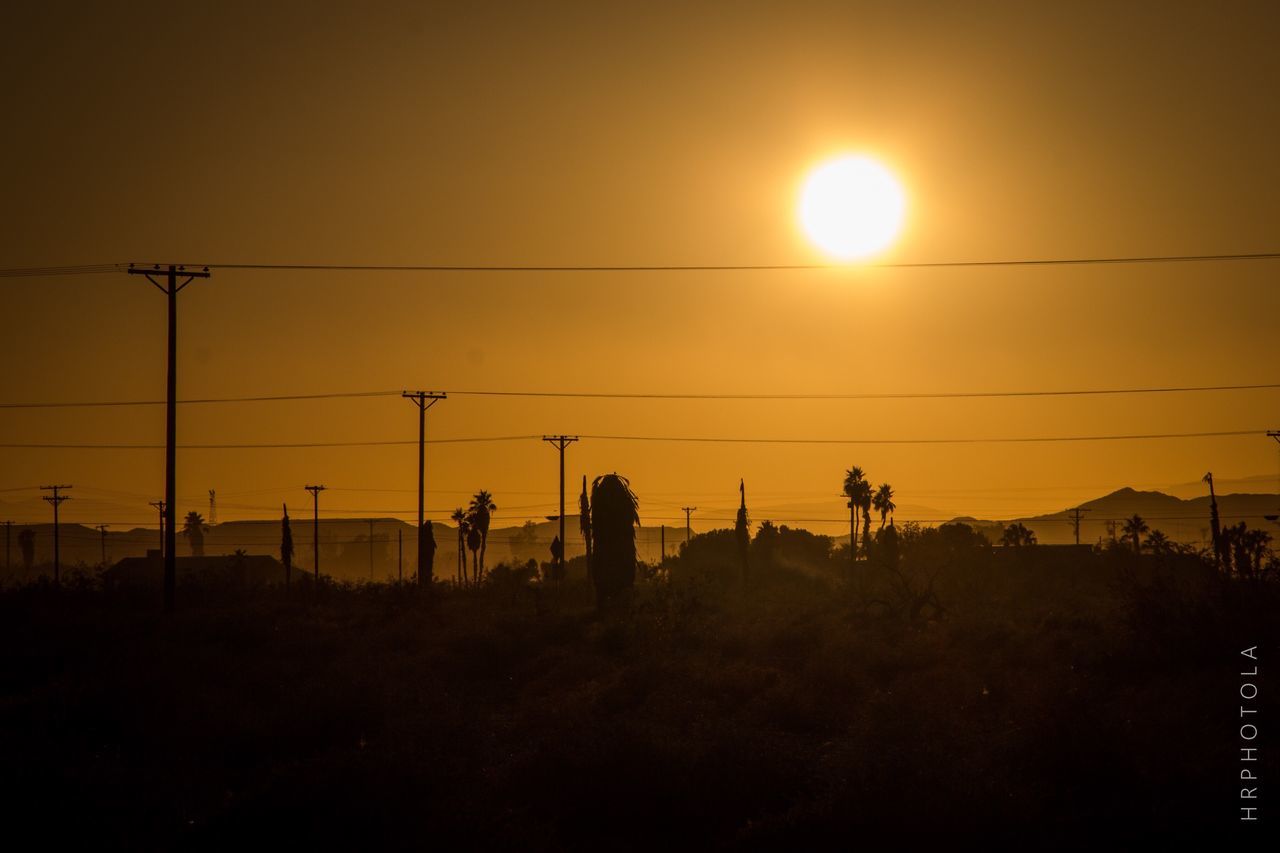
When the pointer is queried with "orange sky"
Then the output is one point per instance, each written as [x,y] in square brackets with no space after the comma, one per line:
[562,134]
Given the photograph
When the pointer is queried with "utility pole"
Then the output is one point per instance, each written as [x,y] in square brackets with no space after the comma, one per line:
[159,505]
[662,545]
[8,525]
[561,442]
[56,499]
[687,511]
[370,522]
[315,529]
[1075,520]
[171,288]
[424,401]
[400,554]
[213,507]
[102,528]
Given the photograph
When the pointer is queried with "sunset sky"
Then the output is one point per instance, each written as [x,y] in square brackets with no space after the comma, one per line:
[569,134]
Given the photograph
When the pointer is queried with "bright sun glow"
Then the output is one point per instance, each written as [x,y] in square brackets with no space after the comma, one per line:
[851,207]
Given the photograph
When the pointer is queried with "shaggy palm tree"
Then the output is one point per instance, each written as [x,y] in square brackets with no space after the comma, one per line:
[742,532]
[584,523]
[459,518]
[1158,543]
[286,546]
[614,516]
[883,502]
[482,509]
[1134,527]
[855,488]
[474,542]
[193,528]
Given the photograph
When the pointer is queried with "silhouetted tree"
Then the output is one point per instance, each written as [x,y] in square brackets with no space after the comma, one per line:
[286,546]
[1017,535]
[766,544]
[27,544]
[1158,543]
[557,559]
[614,516]
[482,509]
[742,532]
[193,529]
[1134,528]
[856,488]
[883,503]
[459,518]
[584,524]
[474,543]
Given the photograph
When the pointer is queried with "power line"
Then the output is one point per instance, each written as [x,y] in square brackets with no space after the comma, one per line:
[98,269]
[655,438]
[664,395]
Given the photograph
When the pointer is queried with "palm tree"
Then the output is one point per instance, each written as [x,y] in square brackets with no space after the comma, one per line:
[474,541]
[742,531]
[1158,543]
[584,522]
[193,528]
[855,488]
[1134,527]
[482,508]
[614,516]
[286,546]
[459,518]
[883,502]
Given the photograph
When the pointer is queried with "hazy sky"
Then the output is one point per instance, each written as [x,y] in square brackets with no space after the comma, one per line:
[637,134]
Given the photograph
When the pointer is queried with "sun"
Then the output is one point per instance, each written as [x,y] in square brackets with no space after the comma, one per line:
[851,207]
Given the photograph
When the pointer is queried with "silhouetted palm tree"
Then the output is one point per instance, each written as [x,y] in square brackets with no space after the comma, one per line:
[614,516]
[1158,543]
[856,488]
[883,501]
[459,518]
[482,509]
[1134,527]
[193,528]
[286,546]
[474,542]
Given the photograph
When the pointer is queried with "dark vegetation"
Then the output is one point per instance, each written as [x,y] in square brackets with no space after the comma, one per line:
[938,687]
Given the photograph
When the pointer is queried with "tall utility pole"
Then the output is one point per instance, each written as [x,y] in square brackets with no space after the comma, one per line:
[8,525]
[1075,520]
[159,505]
[424,401]
[561,442]
[213,507]
[171,288]
[662,545]
[55,499]
[315,529]
[102,528]
[1274,433]
[688,510]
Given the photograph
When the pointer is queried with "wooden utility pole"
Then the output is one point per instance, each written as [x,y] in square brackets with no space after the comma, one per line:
[662,545]
[688,510]
[159,505]
[424,401]
[561,442]
[171,289]
[315,529]
[55,499]
[102,528]
[1075,520]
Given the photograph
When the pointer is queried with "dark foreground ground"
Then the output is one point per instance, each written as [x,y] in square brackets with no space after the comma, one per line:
[1042,704]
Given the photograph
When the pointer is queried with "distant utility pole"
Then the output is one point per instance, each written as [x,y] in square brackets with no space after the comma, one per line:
[315,529]
[400,554]
[1274,433]
[102,528]
[561,442]
[55,499]
[171,288]
[213,507]
[687,511]
[371,522]
[8,525]
[1075,520]
[424,401]
[662,545]
[159,505]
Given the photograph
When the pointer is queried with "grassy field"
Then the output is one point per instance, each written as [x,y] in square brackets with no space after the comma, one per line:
[1041,701]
